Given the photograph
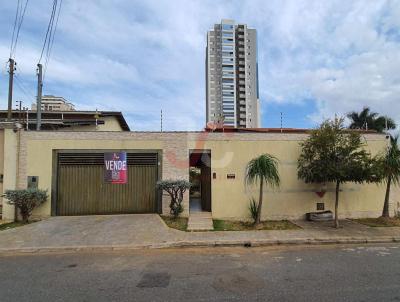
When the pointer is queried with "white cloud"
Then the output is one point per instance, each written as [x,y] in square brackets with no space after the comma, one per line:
[335,53]
[141,56]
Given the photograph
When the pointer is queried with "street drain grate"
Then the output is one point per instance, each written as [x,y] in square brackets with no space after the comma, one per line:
[151,280]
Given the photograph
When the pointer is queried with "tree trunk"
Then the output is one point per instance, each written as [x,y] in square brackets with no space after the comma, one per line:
[258,219]
[25,218]
[385,212]
[337,205]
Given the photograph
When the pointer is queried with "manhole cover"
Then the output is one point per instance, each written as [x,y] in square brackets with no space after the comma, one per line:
[151,280]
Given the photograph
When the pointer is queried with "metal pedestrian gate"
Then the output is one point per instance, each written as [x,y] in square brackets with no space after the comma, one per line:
[81,189]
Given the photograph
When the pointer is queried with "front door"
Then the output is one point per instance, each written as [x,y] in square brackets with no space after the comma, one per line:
[200,172]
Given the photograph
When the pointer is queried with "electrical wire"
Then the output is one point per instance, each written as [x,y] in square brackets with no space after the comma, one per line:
[15,26]
[50,47]
[23,87]
[4,69]
[19,19]
[49,28]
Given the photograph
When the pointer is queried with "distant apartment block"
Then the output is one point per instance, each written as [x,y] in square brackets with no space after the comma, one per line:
[232,96]
[54,103]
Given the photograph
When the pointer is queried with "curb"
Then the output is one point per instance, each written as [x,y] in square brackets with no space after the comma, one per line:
[189,244]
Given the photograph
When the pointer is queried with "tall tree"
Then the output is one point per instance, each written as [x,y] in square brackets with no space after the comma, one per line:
[263,169]
[366,119]
[389,164]
[332,154]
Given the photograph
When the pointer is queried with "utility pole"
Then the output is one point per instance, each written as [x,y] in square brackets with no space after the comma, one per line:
[19,108]
[281,123]
[27,117]
[39,98]
[161,120]
[10,88]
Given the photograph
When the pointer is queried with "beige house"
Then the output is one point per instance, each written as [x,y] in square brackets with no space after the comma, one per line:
[54,121]
[70,166]
[69,120]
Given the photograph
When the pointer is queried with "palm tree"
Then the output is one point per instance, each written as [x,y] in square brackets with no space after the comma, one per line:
[262,169]
[390,169]
[368,120]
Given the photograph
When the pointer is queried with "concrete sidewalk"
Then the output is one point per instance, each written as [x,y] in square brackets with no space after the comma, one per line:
[124,232]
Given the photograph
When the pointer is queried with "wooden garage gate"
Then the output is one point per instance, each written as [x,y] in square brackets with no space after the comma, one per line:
[81,189]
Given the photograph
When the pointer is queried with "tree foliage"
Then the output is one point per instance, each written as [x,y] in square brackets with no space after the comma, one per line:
[332,154]
[389,169]
[366,119]
[262,169]
[175,189]
[26,200]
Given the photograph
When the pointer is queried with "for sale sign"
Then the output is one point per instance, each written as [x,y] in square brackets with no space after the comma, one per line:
[115,168]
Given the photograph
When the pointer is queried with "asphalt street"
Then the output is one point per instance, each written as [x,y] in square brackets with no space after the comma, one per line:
[308,273]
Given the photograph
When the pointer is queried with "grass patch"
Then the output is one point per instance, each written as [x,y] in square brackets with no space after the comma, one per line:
[379,222]
[228,225]
[179,223]
[11,225]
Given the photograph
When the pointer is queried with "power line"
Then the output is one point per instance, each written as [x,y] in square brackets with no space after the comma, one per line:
[15,26]
[50,34]
[23,88]
[52,41]
[19,19]
[4,69]
[24,92]
[19,26]
[49,26]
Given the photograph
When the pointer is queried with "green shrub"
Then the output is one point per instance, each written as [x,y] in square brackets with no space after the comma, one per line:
[26,200]
[253,209]
[175,189]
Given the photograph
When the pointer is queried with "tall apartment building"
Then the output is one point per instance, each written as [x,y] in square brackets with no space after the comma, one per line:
[232,97]
[54,103]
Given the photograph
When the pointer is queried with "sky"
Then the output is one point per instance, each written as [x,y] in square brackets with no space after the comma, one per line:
[316,58]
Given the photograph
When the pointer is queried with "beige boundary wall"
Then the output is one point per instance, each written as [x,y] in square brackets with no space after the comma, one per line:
[230,152]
